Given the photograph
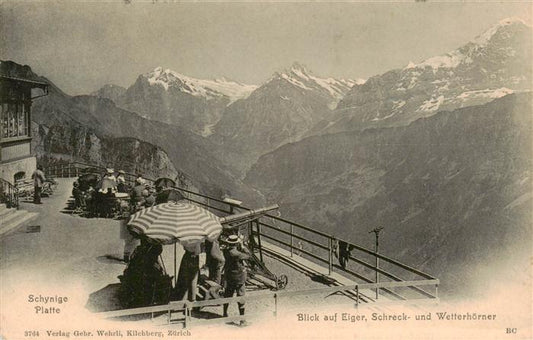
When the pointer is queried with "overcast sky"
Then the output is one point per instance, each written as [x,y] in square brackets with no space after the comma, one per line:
[82,46]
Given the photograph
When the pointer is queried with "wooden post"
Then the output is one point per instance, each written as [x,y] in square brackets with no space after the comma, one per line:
[185,320]
[175,255]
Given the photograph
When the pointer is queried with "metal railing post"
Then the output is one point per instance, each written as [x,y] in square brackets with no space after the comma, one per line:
[377,275]
[356,296]
[330,258]
[376,231]
[258,226]
[292,245]
[275,305]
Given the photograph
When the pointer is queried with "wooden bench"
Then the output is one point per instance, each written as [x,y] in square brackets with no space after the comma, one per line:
[25,187]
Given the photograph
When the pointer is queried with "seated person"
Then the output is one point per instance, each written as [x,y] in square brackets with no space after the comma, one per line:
[109,182]
[149,198]
[136,196]
[89,200]
[168,195]
[144,281]
[121,181]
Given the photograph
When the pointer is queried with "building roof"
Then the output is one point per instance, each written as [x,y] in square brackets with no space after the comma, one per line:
[33,82]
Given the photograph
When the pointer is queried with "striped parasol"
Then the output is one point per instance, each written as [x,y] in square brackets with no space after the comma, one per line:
[173,222]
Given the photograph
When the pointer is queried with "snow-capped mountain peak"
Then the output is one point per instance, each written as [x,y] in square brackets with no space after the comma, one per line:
[300,71]
[494,64]
[465,54]
[484,38]
[208,89]
[300,76]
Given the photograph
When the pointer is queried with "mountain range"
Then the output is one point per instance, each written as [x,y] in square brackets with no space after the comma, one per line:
[173,98]
[494,64]
[247,120]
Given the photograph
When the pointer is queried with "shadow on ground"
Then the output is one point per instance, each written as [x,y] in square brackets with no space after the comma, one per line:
[111,259]
[105,299]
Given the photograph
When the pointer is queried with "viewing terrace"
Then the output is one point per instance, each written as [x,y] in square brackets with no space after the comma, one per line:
[92,250]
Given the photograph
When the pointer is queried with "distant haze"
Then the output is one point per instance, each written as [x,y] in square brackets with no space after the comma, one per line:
[82,46]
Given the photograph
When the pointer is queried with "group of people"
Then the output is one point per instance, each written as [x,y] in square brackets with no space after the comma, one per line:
[110,195]
[228,262]
[145,281]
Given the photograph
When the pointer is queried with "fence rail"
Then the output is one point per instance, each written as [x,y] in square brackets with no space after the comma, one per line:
[187,306]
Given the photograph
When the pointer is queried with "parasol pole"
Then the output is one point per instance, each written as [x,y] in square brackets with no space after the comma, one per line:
[175,279]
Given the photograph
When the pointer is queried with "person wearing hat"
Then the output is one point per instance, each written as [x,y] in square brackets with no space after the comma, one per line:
[149,198]
[235,272]
[109,182]
[110,174]
[140,179]
[136,195]
[121,181]
[142,277]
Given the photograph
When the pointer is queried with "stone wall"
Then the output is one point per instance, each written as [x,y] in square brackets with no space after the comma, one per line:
[9,169]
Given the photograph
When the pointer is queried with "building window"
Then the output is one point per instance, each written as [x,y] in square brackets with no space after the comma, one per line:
[15,120]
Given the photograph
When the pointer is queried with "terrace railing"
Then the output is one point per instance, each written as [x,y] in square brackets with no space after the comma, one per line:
[386,275]
[319,247]
[8,194]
